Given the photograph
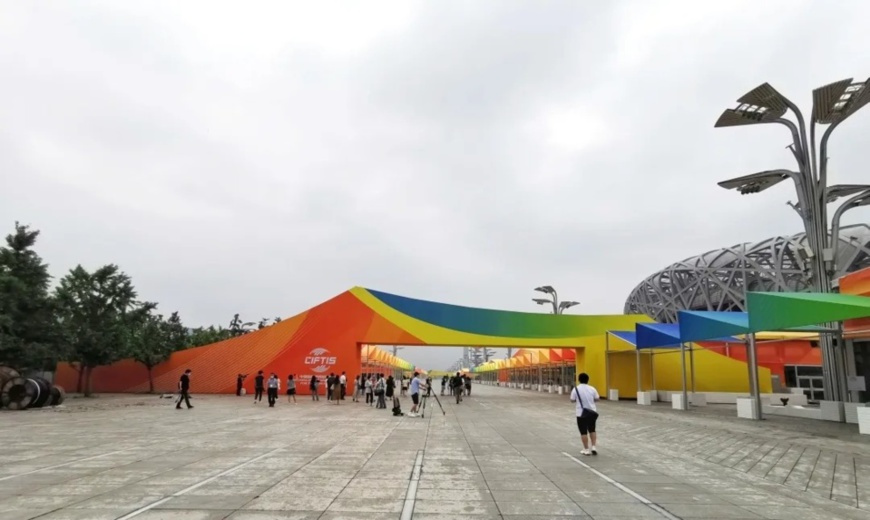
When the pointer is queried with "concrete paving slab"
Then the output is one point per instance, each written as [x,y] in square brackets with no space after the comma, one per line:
[500,454]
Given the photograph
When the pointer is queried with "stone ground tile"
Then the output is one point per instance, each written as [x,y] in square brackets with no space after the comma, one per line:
[337,515]
[454,495]
[601,497]
[788,513]
[46,502]
[604,510]
[684,498]
[499,442]
[539,508]
[188,514]
[530,496]
[112,501]
[686,511]
[86,514]
[463,507]
[362,506]
[378,484]
[22,514]
[520,485]
[206,502]
[376,493]
[545,517]
[273,515]
[442,516]
[299,503]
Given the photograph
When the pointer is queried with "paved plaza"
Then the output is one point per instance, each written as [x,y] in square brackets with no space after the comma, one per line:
[502,453]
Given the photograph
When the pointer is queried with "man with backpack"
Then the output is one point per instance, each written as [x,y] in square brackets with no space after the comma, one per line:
[585,396]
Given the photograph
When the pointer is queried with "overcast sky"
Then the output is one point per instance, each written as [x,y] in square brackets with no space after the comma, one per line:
[262,157]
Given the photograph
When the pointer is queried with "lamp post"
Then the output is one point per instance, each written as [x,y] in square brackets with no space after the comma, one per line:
[558,307]
[832,104]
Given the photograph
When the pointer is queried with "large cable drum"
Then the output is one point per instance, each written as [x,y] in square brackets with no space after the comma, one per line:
[7,373]
[44,395]
[58,396]
[19,393]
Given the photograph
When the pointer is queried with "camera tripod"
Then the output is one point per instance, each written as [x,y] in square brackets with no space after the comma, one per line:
[425,398]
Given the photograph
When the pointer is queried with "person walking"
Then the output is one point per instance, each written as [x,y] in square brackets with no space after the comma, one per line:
[468,385]
[357,388]
[259,386]
[291,389]
[336,390]
[370,391]
[330,382]
[312,386]
[240,381]
[585,395]
[391,387]
[274,385]
[342,380]
[380,390]
[415,395]
[457,385]
[443,384]
[184,390]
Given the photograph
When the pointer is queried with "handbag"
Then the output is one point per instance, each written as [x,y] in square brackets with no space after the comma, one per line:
[586,413]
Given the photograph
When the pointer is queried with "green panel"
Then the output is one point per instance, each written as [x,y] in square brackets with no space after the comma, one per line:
[779,311]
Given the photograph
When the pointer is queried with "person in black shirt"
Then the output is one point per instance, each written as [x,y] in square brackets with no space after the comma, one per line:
[259,386]
[240,380]
[184,390]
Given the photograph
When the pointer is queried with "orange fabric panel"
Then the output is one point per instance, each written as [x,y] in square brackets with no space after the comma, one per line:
[319,341]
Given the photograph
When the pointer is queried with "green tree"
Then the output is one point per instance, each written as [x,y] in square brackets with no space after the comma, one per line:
[27,335]
[96,312]
[154,339]
[207,335]
[238,327]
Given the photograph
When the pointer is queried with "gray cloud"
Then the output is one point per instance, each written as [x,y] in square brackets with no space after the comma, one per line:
[262,160]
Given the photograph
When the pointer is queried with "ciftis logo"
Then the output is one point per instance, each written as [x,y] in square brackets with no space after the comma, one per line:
[319,360]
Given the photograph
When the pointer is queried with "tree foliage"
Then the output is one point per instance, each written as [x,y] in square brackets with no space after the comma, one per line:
[27,335]
[95,313]
[90,319]
[153,339]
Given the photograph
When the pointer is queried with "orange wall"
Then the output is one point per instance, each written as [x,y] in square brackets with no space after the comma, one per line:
[774,355]
[284,348]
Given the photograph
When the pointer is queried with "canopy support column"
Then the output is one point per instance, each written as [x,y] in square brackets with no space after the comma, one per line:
[639,388]
[692,363]
[606,363]
[754,388]
[652,371]
[683,369]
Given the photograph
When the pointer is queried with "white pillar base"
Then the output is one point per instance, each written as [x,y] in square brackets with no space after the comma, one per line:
[851,410]
[613,394]
[644,398]
[746,408]
[833,411]
[864,420]
[561,390]
[677,402]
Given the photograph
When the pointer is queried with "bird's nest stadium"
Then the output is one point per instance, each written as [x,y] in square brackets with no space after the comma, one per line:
[717,280]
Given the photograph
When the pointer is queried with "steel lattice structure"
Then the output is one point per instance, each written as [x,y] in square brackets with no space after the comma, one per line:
[717,280]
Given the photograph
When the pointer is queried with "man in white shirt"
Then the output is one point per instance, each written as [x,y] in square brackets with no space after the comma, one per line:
[585,396]
[342,380]
[415,394]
